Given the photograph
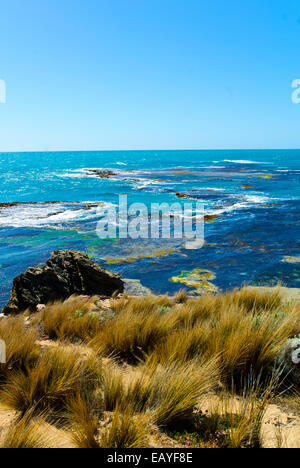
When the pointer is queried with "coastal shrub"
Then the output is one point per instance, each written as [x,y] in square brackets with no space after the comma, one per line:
[70,320]
[58,375]
[21,348]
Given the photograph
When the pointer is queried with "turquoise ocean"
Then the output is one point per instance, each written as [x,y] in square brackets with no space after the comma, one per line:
[251,236]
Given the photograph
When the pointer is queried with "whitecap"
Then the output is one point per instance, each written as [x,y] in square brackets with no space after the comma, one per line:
[58,216]
[242,161]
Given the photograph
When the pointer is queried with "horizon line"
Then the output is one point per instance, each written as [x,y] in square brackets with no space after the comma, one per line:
[145,150]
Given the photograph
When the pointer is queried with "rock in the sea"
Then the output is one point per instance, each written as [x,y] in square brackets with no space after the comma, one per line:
[65,273]
[102,173]
[183,195]
[134,287]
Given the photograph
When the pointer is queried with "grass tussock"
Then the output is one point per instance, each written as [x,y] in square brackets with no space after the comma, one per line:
[255,299]
[21,348]
[168,392]
[71,320]
[177,388]
[27,433]
[123,429]
[181,297]
[84,413]
[246,415]
[58,375]
[134,331]
[126,431]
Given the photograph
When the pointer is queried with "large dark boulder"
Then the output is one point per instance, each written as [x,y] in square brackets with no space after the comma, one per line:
[65,273]
[290,361]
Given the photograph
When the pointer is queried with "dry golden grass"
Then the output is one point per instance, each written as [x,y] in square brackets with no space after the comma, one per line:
[70,320]
[255,299]
[84,413]
[246,416]
[27,433]
[134,332]
[236,421]
[58,375]
[21,348]
[112,388]
[245,341]
[126,431]
[147,304]
[181,297]
[177,388]
[168,392]
[160,357]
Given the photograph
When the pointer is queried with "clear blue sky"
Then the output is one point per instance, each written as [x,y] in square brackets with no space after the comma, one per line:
[155,74]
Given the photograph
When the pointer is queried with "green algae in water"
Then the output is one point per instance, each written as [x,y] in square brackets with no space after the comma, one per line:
[156,254]
[198,278]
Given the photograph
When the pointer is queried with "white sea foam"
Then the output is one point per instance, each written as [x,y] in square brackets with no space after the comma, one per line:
[212,189]
[288,170]
[56,216]
[243,161]
[246,202]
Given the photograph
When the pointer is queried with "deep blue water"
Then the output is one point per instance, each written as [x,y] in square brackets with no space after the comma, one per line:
[255,193]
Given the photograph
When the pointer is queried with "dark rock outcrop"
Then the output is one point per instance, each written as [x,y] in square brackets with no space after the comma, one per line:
[102,173]
[65,273]
[12,204]
[290,361]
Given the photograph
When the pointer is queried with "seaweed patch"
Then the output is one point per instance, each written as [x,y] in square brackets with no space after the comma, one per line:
[198,278]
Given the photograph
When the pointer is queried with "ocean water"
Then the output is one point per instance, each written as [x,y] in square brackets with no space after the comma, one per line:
[254,239]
